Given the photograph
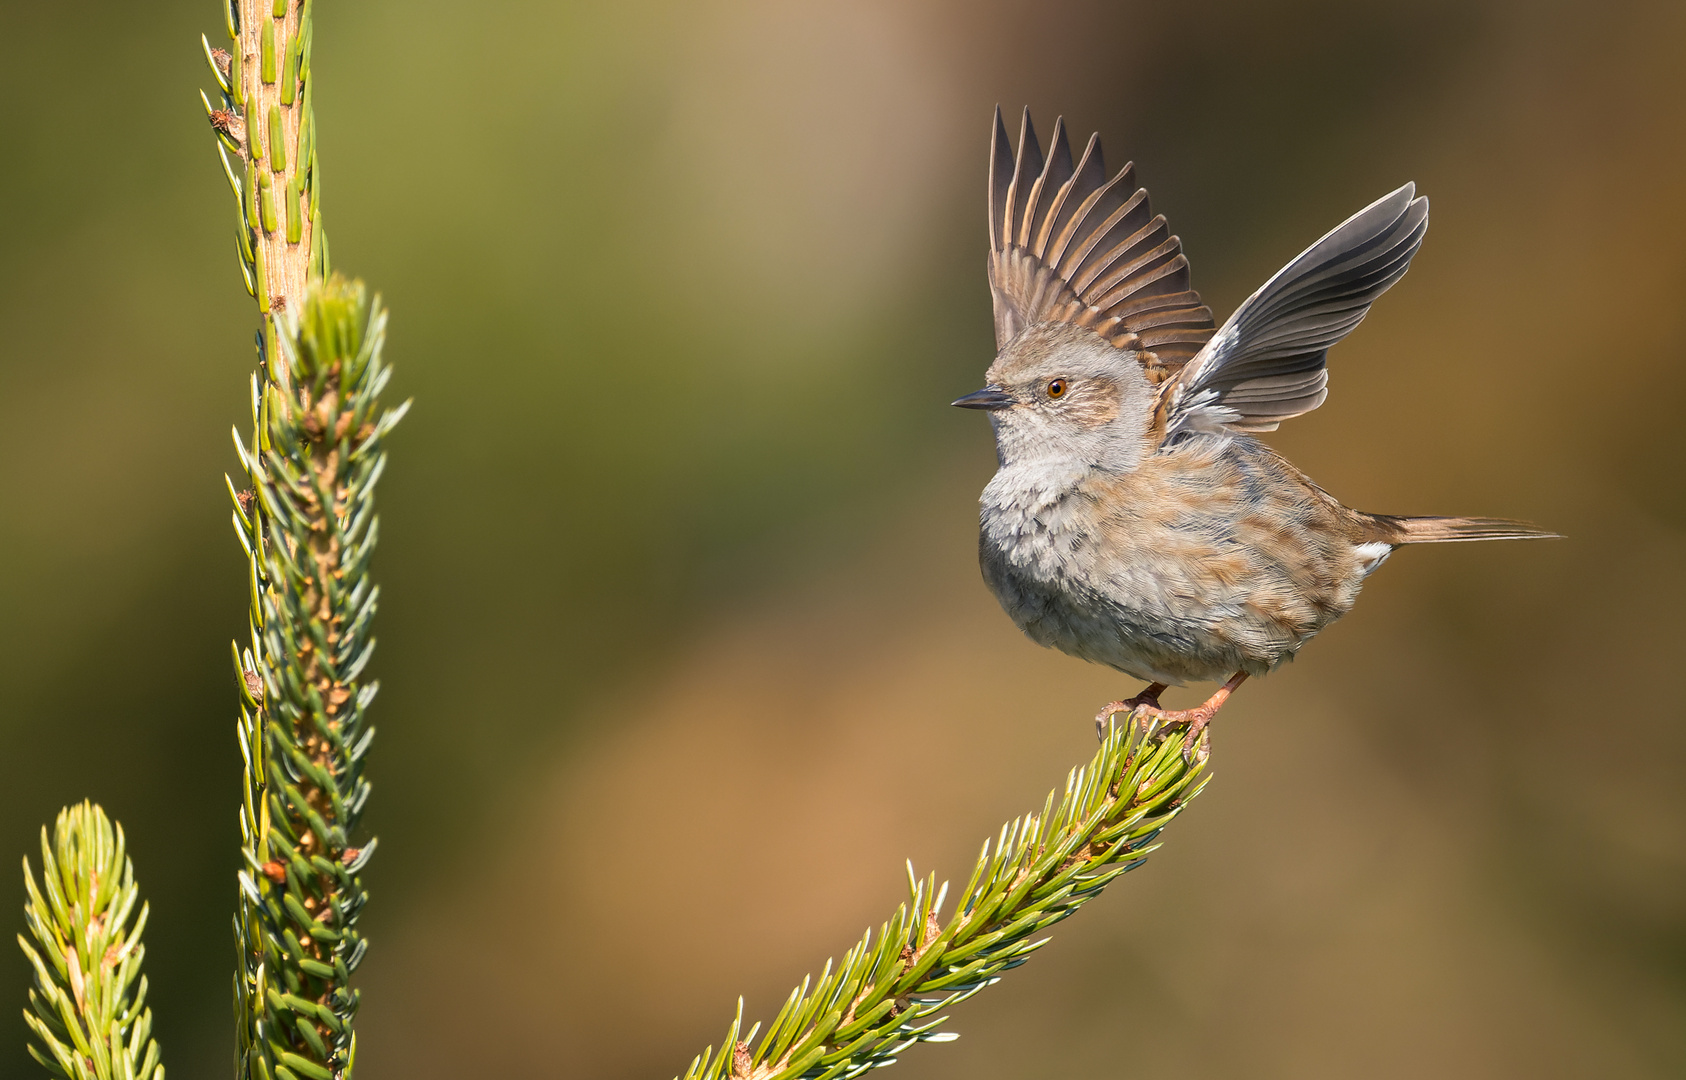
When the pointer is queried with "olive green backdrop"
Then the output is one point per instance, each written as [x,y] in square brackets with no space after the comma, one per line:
[682,638]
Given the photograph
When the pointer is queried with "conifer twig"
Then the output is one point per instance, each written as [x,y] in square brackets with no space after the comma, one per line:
[266,123]
[309,529]
[306,522]
[88,1006]
[884,996]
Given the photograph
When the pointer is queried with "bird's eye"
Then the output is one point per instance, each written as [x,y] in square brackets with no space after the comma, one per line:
[1056,388]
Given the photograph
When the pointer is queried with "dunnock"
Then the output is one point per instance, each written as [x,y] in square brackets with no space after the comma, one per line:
[1134,520]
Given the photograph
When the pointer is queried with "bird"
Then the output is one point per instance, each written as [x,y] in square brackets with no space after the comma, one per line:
[1134,519]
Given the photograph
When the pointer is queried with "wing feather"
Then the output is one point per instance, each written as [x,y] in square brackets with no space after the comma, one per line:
[1069,245]
[1083,179]
[1268,362]
[1027,169]
[1078,196]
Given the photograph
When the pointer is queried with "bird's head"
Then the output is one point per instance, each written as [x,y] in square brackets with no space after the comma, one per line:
[1060,394]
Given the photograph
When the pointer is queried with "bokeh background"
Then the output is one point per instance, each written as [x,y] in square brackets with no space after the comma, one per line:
[682,636]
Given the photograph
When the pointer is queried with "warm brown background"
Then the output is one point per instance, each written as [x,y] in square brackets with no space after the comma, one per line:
[683,638]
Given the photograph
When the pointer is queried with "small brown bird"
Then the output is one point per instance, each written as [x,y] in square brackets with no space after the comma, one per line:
[1134,520]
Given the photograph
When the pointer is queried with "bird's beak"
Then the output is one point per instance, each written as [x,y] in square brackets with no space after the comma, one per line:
[991,397]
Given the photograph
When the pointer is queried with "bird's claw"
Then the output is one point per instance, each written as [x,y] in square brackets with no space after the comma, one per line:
[1198,719]
[1103,719]
[1148,699]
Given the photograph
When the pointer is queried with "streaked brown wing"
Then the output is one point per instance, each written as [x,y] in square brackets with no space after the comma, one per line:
[1068,245]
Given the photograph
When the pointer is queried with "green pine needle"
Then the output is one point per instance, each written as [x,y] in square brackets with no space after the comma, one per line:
[88,1006]
[886,994]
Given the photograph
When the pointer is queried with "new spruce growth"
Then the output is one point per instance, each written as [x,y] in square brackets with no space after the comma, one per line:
[87,1009]
[309,529]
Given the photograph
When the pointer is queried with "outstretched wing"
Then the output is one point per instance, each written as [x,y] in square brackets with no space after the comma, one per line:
[1267,363]
[1068,245]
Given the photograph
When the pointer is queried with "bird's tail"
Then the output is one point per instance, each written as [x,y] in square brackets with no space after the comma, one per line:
[1441,530]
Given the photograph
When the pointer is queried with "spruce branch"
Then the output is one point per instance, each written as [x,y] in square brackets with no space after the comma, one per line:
[309,529]
[885,994]
[305,519]
[266,123]
[88,1006]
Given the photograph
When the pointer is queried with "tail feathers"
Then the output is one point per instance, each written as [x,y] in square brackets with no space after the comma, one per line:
[1441,530]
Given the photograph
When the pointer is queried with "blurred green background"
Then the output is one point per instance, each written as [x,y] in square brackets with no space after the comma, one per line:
[679,538]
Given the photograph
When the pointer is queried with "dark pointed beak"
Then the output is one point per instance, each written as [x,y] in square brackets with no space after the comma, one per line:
[991,397]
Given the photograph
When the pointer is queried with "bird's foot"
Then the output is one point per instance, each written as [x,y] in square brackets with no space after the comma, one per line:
[1196,719]
[1147,699]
